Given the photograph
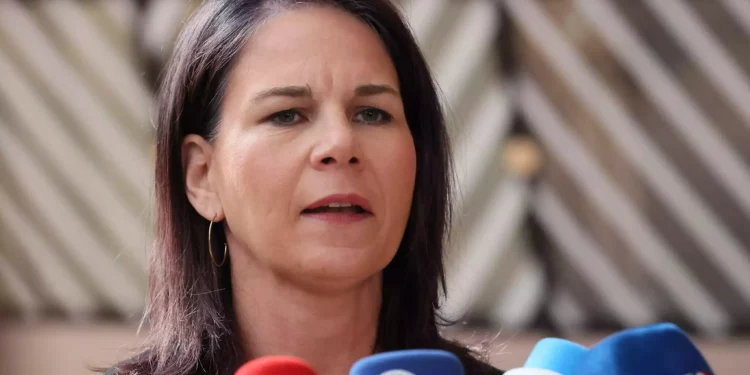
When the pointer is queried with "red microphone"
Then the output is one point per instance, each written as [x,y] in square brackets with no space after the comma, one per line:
[276,365]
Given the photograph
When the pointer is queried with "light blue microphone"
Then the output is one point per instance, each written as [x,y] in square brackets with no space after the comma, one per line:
[552,356]
[409,362]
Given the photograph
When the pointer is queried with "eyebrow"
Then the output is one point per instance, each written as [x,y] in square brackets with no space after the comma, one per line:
[289,91]
[306,92]
[370,90]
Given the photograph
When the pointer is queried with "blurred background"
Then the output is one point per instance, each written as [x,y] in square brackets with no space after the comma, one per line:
[602,152]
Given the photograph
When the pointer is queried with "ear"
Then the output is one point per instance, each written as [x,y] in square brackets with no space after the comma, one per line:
[197,156]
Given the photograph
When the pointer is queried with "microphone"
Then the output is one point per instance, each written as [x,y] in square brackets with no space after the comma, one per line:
[552,356]
[276,365]
[409,362]
[661,349]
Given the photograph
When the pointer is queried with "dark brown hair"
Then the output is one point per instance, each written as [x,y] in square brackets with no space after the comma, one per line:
[190,308]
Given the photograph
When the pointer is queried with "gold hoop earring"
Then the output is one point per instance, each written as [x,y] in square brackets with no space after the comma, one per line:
[211,251]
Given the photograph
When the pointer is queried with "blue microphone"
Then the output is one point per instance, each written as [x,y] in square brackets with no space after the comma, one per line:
[552,356]
[658,349]
[409,362]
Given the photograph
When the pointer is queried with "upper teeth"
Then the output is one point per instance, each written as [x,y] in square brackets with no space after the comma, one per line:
[340,205]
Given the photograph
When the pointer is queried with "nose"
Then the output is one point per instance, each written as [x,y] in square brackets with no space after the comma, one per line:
[337,146]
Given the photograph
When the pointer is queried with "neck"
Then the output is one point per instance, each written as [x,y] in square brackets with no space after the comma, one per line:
[330,331]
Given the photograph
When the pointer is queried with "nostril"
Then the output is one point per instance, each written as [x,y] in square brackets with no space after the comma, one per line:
[327,160]
[353,160]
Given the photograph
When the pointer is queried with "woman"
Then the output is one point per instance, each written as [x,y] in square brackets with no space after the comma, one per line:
[302,190]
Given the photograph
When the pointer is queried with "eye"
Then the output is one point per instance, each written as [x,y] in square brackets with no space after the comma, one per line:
[372,116]
[286,117]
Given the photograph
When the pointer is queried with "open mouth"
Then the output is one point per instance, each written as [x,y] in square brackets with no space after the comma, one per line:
[336,208]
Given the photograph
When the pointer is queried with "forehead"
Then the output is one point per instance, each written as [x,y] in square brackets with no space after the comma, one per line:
[319,46]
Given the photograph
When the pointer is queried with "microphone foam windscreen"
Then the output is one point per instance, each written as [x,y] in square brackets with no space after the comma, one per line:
[659,349]
[276,365]
[409,362]
[558,355]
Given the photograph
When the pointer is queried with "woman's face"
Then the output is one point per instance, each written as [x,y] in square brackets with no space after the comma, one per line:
[312,120]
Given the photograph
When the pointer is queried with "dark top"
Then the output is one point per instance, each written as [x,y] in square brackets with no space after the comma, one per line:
[493,371]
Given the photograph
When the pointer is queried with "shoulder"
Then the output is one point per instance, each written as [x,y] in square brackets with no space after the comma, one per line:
[475,362]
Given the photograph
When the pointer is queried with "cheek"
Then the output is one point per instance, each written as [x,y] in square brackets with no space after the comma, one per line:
[258,187]
[404,165]
[397,167]
[396,162]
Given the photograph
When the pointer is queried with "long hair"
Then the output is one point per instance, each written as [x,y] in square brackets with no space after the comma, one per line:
[190,305]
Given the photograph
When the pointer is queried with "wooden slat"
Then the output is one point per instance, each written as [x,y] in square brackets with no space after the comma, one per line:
[101,60]
[566,312]
[645,243]
[523,296]
[623,301]
[692,124]
[478,149]
[161,22]
[103,132]
[740,9]
[70,228]
[422,15]
[487,243]
[123,12]
[59,282]
[62,151]
[707,51]
[17,291]
[470,41]
[663,89]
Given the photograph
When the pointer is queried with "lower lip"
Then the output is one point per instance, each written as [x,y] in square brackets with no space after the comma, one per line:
[338,217]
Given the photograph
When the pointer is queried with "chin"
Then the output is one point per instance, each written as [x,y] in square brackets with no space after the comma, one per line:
[346,266]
